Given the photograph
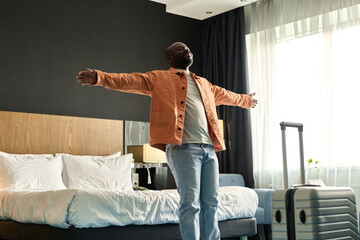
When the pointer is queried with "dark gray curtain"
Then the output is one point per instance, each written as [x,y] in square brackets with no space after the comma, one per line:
[224,54]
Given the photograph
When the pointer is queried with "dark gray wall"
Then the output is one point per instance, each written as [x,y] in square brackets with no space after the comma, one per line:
[44,44]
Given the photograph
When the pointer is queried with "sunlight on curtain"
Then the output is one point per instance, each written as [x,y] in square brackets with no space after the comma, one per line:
[303,64]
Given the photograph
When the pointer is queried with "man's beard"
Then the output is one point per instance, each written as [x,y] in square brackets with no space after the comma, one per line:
[183,62]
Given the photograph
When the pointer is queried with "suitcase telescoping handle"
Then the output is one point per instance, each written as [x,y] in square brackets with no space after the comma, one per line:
[300,127]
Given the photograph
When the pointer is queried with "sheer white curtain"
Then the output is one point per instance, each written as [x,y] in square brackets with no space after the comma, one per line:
[304,66]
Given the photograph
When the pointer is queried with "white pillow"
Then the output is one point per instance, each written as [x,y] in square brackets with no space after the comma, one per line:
[31,171]
[65,177]
[109,172]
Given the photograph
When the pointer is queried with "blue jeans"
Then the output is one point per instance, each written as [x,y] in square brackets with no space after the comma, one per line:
[196,172]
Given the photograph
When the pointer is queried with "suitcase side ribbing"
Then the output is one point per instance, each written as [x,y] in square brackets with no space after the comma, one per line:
[325,213]
[318,213]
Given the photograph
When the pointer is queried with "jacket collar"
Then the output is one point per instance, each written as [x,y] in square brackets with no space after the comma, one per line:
[174,70]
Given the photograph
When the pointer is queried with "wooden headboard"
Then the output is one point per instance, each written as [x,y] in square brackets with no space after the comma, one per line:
[42,133]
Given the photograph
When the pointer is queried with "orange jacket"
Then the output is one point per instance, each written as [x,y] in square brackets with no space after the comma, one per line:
[168,92]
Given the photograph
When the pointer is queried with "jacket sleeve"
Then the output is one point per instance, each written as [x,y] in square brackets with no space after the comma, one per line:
[139,83]
[226,97]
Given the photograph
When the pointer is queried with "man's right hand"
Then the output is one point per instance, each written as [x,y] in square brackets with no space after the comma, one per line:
[88,77]
[254,101]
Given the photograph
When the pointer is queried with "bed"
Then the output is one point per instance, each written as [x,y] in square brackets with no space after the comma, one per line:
[66,178]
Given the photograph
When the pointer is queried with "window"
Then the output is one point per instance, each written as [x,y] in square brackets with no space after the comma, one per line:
[320,88]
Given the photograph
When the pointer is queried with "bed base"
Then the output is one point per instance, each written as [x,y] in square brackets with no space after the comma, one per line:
[235,228]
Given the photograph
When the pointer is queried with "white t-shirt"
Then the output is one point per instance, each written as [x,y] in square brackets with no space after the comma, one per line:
[195,123]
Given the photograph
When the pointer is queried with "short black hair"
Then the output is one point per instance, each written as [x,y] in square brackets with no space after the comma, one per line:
[167,51]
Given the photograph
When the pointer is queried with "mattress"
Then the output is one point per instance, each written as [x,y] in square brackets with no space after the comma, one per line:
[95,208]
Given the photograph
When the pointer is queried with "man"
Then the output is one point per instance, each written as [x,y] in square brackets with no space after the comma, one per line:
[183,122]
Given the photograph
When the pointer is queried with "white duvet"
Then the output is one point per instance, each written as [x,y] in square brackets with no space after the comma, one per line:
[101,208]
[31,206]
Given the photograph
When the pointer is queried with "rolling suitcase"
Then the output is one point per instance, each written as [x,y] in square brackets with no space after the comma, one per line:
[312,212]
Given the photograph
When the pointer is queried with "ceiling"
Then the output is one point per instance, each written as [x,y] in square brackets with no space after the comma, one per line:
[201,9]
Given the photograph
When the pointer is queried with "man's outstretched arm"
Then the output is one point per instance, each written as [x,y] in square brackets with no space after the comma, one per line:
[139,83]
[226,97]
